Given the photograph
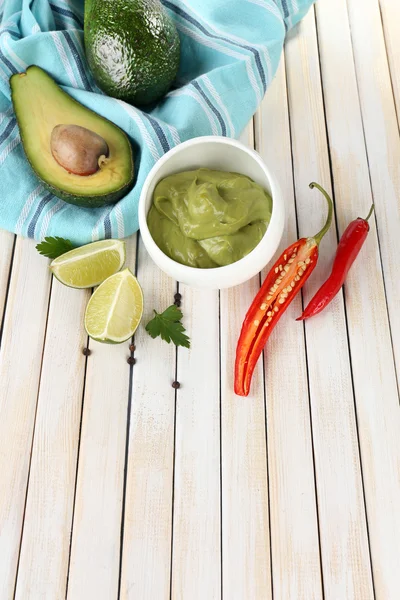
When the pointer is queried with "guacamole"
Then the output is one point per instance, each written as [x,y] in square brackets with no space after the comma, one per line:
[208,218]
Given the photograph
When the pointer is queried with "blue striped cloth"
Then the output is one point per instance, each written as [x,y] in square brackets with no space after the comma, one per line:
[230,51]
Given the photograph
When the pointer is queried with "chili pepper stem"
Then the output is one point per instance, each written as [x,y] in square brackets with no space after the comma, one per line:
[328,223]
[371,210]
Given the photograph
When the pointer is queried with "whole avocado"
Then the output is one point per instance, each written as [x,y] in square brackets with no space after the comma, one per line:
[132,47]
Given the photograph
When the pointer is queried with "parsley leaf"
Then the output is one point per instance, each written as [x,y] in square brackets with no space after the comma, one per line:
[53,247]
[168,325]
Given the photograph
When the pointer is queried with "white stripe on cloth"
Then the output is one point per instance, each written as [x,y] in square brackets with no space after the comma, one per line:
[27,207]
[252,79]
[100,221]
[17,60]
[132,112]
[4,77]
[234,38]
[175,134]
[272,8]
[48,216]
[196,96]
[9,149]
[6,113]
[120,221]
[218,99]
[64,58]
[205,41]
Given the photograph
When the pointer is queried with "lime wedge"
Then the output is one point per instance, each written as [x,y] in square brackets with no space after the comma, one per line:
[115,309]
[89,265]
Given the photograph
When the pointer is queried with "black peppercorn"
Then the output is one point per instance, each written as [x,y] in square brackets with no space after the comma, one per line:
[176,385]
[177,303]
[130,360]
[178,296]
[86,352]
[132,347]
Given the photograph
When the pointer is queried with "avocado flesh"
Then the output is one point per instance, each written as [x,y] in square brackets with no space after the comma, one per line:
[39,105]
[132,47]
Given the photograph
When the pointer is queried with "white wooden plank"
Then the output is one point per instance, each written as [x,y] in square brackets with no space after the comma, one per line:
[146,558]
[20,363]
[342,521]
[95,548]
[43,565]
[196,552]
[6,245]
[246,569]
[376,394]
[390,13]
[296,566]
[383,146]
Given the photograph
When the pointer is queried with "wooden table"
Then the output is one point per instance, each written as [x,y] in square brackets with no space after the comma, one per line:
[113,484]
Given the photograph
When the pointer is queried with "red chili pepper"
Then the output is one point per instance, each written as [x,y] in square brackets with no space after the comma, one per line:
[349,246]
[285,279]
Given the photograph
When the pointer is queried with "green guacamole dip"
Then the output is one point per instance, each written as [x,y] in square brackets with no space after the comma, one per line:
[208,218]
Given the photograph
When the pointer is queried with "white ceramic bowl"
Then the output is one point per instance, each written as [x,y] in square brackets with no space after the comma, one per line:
[222,154]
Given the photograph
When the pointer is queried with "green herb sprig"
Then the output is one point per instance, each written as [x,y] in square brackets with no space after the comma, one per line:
[168,325]
[53,247]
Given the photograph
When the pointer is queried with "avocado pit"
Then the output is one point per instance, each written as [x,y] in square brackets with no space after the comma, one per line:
[78,150]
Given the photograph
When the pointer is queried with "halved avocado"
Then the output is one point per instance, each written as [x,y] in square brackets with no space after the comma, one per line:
[40,105]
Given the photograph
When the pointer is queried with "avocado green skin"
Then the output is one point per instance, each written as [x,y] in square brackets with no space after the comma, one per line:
[84,201]
[87,201]
[92,201]
[132,47]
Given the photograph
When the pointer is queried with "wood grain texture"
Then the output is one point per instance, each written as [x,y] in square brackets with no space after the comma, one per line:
[377,397]
[43,566]
[294,528]
[95,547]
[246,571]
[196,550]
[6,252]
[146,560]
[390,13]
[290,494]
[383,146]
[20,364]
[342,521]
